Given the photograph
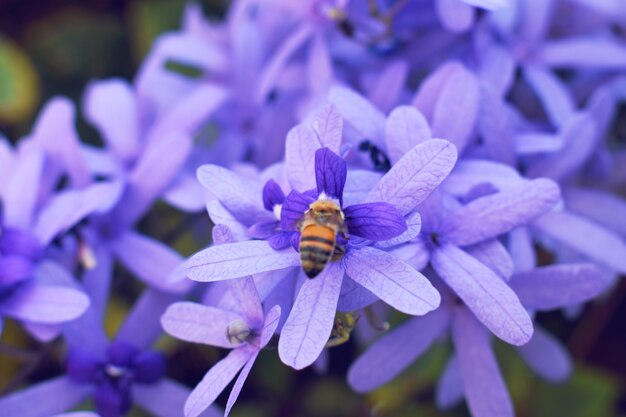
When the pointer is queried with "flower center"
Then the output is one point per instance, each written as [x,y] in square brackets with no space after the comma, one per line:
[238,332]
[114,371]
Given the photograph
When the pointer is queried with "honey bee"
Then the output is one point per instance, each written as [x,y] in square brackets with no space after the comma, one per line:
[342,328]
[319,228]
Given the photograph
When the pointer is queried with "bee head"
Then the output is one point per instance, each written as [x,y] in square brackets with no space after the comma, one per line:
[323,209]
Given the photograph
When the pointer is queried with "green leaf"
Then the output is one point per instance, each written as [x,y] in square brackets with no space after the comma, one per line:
[19,84]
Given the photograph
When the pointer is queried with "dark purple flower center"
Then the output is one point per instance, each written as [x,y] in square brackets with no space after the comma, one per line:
[19,243]
[114,375]
[19,250]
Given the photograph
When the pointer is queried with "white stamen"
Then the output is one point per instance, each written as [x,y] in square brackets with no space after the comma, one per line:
[115,371]
[277,210]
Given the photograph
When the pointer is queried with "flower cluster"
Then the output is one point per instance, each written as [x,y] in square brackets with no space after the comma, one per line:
[404,159]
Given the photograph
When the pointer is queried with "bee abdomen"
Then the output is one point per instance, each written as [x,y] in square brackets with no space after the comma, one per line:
[316,248]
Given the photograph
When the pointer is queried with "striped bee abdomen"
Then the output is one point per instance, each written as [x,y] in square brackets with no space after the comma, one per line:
[317,244]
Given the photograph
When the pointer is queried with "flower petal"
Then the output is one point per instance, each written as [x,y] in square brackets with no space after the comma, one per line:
[44,399]
[220,215]
[580,137]
[69,207]
[429,90]
[330,173]
[272,195]
[166,398]
[55,132]
[319,67]
[405,128]
[557,286]
[359,113]
[390,84]
[489,4]
[484,387]
[493,255]
[555,97]
[246,299]
[495,214]
[392,280]
[14,269]
[45,304]
[414,225]
[374,221]
[598,243]
[149,260]
[235,193]
[186,193]
[449,389]
[277,63]
[152,173]
[310,322]
[198,323]
[546,356]
[214,382]
[455,115]
[489,298]
[20,194]
[522,249]
[328,125]
[470,172]
[387,357]
[583,53]
[111,106]
[87,333]
[188,113]
[270,324]
[141,329]
[415,175]
[235,260]
[600,206]
[353,296]
[300,147]
[97,280]
[241,379]
[359,182]
[293,209]
[455,15]
[494,126]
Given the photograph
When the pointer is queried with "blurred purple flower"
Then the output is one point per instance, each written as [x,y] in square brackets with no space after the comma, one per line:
[473,372]
[143,154]
[115,375]
[34,287]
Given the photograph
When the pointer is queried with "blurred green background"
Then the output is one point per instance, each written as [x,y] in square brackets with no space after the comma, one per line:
[55,47]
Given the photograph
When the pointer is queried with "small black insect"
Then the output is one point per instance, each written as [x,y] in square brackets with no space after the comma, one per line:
[379,159]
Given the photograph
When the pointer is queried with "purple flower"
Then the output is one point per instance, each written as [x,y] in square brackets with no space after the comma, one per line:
[34,287]
[459,15]
[463,250]
[309,324]
[473,371]
[244,328]
[115,375]
[143,154]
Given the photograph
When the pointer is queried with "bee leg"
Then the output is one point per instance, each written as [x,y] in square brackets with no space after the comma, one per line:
[338,253]
[339,338]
